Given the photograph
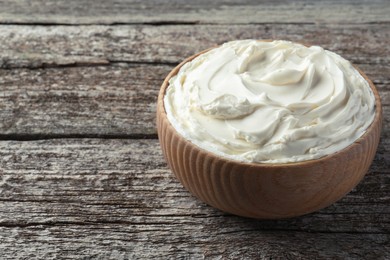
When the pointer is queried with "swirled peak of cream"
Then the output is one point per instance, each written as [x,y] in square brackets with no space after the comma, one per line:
[269,102]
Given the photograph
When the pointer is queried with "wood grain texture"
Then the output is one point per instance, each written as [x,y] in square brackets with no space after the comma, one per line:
[116,199]
[46,46]
[201,11]
[132,175]
[117,100]
[91,101]
[104,80]
[176,240]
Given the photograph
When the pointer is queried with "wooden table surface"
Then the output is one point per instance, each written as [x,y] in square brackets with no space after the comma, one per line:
[81,171]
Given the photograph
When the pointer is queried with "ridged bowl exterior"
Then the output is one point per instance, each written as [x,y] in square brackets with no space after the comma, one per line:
[266,191]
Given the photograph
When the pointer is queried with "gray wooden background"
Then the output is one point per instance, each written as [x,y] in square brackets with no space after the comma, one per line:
[81,172]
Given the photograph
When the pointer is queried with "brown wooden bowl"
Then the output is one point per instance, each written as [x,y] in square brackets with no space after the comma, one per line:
[266,191]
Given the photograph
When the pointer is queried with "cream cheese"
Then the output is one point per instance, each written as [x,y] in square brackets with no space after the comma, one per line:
[269,102]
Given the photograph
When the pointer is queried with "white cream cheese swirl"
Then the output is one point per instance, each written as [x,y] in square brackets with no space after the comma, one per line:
[269,102]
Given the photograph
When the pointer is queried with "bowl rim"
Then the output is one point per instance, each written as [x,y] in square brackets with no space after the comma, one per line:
[377,121]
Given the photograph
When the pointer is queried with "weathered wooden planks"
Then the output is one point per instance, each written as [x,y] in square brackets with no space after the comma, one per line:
[65,194]
[111,101]
[157,12]
[131,174]
[88,101]
[179,240]
[104,80]
[45,46]
[115,198]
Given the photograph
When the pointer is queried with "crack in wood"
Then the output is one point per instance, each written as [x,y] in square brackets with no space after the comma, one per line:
[176,23]
[169,224]
[36,137]
[102,63]
[112,62]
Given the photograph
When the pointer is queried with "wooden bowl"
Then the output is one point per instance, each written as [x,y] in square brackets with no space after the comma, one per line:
[266,191]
